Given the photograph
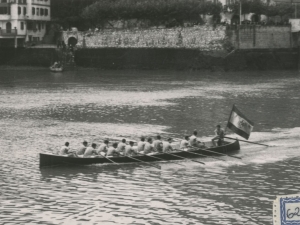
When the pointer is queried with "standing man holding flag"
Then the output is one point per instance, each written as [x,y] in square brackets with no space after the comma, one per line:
[220,136]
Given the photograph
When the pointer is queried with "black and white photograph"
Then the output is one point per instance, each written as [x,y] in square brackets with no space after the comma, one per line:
[150,112]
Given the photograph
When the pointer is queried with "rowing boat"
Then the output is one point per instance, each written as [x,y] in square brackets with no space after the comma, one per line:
[54,160]
[56,69]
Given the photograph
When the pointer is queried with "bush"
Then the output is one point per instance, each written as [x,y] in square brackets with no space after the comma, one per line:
[153,10]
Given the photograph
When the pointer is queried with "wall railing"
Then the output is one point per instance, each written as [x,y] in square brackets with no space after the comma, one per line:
[8,32]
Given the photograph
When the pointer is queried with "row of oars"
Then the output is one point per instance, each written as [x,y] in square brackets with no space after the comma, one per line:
[176,156]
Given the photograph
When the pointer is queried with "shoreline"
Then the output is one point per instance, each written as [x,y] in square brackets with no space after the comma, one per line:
[154,59]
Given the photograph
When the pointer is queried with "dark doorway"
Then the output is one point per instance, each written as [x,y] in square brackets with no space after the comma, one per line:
[8,27]
[72,41]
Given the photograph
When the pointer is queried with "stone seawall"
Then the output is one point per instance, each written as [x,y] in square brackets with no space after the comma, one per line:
[27,57]
[261,37]
[150,58]
[205,38]
[186,59]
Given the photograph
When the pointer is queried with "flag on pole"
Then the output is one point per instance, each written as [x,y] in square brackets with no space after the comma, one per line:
[239,123]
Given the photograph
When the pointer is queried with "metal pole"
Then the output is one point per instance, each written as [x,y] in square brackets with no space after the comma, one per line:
[240,12]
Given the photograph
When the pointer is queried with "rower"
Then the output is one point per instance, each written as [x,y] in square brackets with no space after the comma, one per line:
[65,149]
[184,144]
[113,151]
[148,149]
[90,151]
[82,149]
[55,65]
[194,141]
[103,148]
[167,145]
[122,146]
[129,151]
[141,145]
[158,144]
[220,136]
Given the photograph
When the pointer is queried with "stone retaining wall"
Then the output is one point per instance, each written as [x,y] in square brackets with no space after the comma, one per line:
[261,37]
[205,38]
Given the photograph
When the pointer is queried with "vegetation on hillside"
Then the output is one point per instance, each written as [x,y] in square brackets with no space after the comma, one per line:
[89,13]
[155,11]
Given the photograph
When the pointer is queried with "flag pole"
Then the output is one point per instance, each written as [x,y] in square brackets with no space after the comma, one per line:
[247,141]
[228,119]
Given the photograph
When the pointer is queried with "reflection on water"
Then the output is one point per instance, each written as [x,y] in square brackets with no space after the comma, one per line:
[42,110]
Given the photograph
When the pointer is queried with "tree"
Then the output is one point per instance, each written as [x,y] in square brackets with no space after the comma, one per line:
[68,12]
[153,10]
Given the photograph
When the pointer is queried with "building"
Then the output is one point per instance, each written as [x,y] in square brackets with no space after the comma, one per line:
[23,21]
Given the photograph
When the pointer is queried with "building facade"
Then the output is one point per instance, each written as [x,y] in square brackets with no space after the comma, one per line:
[23,21]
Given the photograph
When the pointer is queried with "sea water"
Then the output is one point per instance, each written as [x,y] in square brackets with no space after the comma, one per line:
[41,110]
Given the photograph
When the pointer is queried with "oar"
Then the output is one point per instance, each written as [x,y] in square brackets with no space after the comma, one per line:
[216,152]
[203,155]
[110,160]
[157,167]
[159,158]
[184,158]
[248,141]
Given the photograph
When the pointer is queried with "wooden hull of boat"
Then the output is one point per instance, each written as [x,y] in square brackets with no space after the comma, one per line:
[56,69]
[53,160]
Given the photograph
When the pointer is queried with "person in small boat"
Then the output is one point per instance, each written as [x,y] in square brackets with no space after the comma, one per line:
[55,65]
[194,141]
[90,151]
[167,147]
[113,150]
[65,149]
[103,148]
[158,145]
[220,136]
[141,145]
[58,64]
[148,149]
[122,146]
[82,149]
[129,151]
[184,144]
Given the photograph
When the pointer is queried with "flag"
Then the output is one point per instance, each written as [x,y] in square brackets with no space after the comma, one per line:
[239,123]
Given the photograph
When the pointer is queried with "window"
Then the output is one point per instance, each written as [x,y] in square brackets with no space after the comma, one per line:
[29,25]
[3,1]
[39,26]
[8,27]
[46,12]
[37,11]
[24,11]
[19,10]
[42,12]
[22,25]
[3,10]
[33,11]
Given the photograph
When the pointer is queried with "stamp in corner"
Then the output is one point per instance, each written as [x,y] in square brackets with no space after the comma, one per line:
[286,210]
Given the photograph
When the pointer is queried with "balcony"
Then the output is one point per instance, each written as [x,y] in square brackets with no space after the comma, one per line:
[8,33]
